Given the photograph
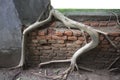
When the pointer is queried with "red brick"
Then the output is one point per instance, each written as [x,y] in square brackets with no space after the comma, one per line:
[58,45]
[101,38]
[49,37]
[81,38]
[34,41]
[112,23]
[60,41]
[94,24]
[52,41]
[36,52]
[70,48]
[42,32]
[46,51]
[68,33]
[46,47]
[41,37]
[104,49]
[59,38]
[39,47]
[33,45]
[51,31]
[72,38]
[42,41]
[33,37]
[77,33]
[63,49]
[70,45]
[34,33]
[87,22]
[103,23]
[59,33]
[105,46]
[55,48]
[114,34]
[104,42]
[117,38]
[52,24]
[78,42]
[56,37]
[35,58]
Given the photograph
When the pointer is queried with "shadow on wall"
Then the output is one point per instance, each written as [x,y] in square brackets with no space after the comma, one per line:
[14,14]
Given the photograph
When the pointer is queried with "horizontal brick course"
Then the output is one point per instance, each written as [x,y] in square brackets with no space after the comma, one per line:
[61,43]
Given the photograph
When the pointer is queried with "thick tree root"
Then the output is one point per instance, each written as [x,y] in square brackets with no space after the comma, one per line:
[54,61]
[70,24]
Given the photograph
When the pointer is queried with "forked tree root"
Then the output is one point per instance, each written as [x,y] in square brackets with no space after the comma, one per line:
[70,24]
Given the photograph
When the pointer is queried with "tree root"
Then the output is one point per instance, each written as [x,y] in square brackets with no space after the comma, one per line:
[70,24]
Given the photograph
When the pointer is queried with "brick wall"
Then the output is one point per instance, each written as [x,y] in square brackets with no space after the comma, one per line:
[56,43]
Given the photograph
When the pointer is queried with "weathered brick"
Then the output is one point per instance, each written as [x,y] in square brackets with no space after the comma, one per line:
[70,48]
[68,33]
[94,23]
[101,38]
[56,37]
[117,38]
[60,41]
[103,23]
[114,34]
[46,51]
[41,37]
[35,58]
[46,47]
[52,41]
[42,32]
[104,42]
[48,37]
[73,38]
[42,41]
[55,48]
[104,49]
[58,45]
[63,49]
[59,33]
[51,31]
[34,33]
[76,33]
[78,42]
[81,38]
[34,41]
[72,45]
[44,58]
[105,46]
[32,44]
[40,48]
[87,22]
[59,38]
[112,23]
[52,24]
[35,52]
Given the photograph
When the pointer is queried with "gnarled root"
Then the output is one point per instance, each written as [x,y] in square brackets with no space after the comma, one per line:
[70,24]
[54,61]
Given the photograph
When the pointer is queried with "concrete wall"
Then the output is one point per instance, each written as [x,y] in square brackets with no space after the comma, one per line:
[10,34]
[13,14]
[29,10]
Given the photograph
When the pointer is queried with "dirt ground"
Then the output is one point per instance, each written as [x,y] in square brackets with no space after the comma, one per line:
[39,74]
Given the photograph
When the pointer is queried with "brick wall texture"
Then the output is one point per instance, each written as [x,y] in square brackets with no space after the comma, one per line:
[55,43]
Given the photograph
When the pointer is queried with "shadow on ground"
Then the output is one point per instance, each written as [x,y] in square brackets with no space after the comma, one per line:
[39,74]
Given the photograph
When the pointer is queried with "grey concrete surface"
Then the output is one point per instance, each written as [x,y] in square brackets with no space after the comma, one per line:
[10,34]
